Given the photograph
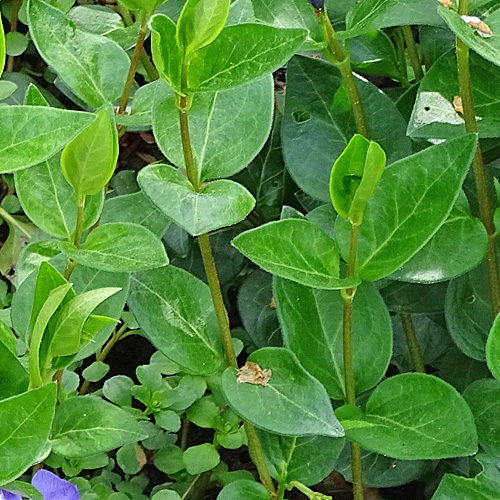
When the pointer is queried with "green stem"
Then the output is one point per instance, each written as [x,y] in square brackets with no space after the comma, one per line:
[399,43]
[149,66]
[14,222]
[413,52]
[485,209]
[13,27]
[413,346]
[257,454]
[133,64]
[80,207]
[312,495]
[337,56]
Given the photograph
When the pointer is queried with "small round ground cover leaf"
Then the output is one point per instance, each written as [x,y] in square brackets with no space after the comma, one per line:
[175,311]
[483,397]
[413,417]
[243,489]
[119,247]
[201,458]
[84,426]
[295,249]
[311,322]
[468,312]
[292,402]
[493,349]
[25,423]
[306,459]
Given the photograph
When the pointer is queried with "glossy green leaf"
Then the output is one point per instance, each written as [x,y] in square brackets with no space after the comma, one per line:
[318,123]
[297,250]
[487,47]
[50,202]
[84,426]
[200,23]
[227,128]
[483,397]
[493,349]
[175,311]
[305,459]
[166,54]
[119,247]
[292,402]
[468,312]
[396,226]
[30,135]
[311,322]
[219,204]
[240,54]
[355,176]
[243,489]
[89,160]
[377,14]
[398,421]
[458,246]
[13,376]
[92,66]
[25,425]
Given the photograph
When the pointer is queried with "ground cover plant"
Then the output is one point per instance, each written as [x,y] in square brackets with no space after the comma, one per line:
[249,250]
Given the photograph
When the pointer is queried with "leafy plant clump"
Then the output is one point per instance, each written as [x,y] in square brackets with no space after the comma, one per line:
[249,250]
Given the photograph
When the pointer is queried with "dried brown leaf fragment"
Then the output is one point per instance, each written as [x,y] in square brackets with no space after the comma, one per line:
[458,104]
[252,373]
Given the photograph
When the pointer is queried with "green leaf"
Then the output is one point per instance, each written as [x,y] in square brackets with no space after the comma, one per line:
[96,371]
[92,66]
[67,338]
[243,489]
[376,14]
[413,416]
[84,426]
[396,226]
[489,48]
[240,54]
[2,50]
[493,349]
[355,176]
[176,313]
[25,424]
[227,128]
[6,89]
[292,403]
[50,202]
[89,160]
[318,123]
[297,250]
[24,489]
[12,374]
[15,43]
[201,458]
[119,247]
[468,312]
[219,204]
[458,246]
[20,232]
[483,397]
[200,23]
[30,135]
[166,54]
[305,459]
[311,322]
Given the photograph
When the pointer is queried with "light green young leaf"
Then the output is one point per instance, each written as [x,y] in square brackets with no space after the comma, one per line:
[119,247]
[175,311]
[25,424]
[200,23]
[292,402]
[493,349]
[34,97]
[2,50]
[219,204]
[227,128]
[84,426]
[413,416]
[240,54]
[89,160]
[295,249]
[396,225]
[243,489]
[30,135]
[92,66]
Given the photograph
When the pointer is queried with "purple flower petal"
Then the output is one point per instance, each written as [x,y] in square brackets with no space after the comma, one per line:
[7,495]
[54,488]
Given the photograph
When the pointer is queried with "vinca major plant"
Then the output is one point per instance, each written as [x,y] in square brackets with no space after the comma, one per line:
[249,250]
